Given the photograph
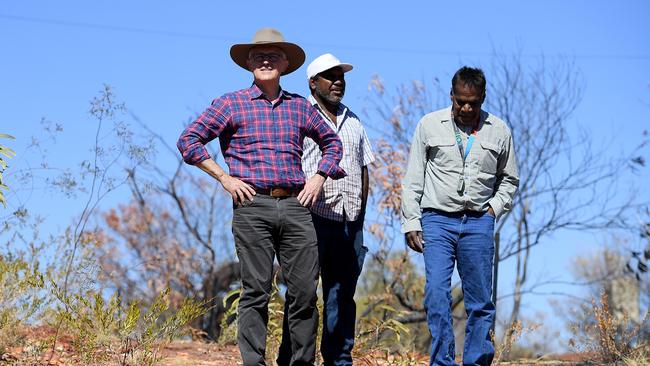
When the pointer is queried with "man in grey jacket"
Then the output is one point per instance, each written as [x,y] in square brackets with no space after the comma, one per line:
[461,176]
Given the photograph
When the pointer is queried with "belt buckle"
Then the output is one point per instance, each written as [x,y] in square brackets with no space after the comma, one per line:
[279,192]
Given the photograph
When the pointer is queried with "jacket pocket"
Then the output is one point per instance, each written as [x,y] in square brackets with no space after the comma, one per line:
[489,159]
[442,152]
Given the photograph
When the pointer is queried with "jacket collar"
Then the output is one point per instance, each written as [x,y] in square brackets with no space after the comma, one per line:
[485,116]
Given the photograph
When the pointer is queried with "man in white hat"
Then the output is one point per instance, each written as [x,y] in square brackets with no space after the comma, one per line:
[261,131]
[338,213]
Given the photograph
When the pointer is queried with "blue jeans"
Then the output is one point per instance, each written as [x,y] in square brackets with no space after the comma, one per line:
[341,254]
[468,240]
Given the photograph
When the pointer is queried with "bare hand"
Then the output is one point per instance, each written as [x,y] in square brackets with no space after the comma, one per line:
[310,192]
[490,212]
[240,191]
[415,240]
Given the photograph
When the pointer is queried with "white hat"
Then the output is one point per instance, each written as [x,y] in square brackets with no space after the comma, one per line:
[325,62]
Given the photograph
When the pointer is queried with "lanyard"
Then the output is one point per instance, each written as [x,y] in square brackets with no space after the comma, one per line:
[459,142]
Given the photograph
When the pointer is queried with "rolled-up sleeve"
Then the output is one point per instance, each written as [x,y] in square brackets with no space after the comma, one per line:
[413,183]
[507,180]
[204,129]
[329,144]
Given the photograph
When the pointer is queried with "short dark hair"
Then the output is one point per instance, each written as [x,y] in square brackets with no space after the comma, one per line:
[472,77]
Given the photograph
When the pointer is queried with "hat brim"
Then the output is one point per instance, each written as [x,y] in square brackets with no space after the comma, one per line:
[346,67]
[295,54]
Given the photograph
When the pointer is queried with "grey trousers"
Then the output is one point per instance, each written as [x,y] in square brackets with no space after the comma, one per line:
[264,228]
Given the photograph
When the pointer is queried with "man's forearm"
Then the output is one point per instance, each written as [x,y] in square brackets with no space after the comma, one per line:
[239,190]
[212,168]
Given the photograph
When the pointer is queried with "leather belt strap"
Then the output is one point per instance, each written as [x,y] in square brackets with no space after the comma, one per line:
[279,192]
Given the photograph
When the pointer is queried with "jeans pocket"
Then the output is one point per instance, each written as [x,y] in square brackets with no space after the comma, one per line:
[246,203]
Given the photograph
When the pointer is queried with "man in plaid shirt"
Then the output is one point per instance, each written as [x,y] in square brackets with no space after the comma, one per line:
[261,131]
[338,213]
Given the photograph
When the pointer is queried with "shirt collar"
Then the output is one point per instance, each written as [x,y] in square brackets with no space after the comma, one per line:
[255,93]
[341,110]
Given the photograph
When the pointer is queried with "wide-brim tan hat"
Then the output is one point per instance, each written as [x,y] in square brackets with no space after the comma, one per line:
[269,37]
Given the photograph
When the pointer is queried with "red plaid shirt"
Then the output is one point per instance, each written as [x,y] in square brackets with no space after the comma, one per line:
[262,142]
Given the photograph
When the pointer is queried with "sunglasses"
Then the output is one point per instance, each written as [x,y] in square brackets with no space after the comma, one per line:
[271,57]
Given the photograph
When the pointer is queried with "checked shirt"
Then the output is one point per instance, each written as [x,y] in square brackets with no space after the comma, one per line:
[262,142]
[343,195]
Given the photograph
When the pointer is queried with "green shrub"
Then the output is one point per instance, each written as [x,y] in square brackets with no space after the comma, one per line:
[130,335]
[5,153]
[20,298]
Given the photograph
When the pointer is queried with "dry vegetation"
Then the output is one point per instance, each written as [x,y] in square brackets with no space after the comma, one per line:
[154,281]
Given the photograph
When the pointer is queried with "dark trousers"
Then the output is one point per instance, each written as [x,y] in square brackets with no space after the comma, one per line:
[264,228]
[341,253]
[468,241]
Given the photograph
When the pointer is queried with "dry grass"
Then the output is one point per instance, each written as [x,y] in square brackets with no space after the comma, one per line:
[611,339]
[513,334]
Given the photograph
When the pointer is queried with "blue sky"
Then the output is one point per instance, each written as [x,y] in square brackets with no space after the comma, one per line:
[168,59]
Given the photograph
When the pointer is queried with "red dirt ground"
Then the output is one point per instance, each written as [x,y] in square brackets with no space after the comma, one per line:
[186,353]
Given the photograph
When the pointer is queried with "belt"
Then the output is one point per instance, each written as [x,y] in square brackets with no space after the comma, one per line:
[457,213]
[279,191]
